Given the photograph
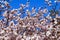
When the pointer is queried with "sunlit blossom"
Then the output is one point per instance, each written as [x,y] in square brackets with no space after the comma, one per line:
[36,27]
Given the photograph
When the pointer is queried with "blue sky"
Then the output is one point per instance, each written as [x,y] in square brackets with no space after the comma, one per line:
[37,3]
[16,4]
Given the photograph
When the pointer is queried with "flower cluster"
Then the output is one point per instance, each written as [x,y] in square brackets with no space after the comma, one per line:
[23,24]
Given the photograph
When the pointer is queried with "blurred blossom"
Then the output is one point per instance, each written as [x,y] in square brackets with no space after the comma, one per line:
[33,10]
[49,17]
[27,3]
[36,27]
[55,1]
[45,10]
[48,33]
[14,11]
[2,5]
[49,3]
[22,5]
[27,10]
[58,0]
[6,3]
[46,0]
[5,13]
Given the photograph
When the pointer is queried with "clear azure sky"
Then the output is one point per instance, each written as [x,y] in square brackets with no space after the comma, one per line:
[33,3]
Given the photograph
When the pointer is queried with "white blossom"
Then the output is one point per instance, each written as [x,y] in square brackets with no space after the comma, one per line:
[48,33]
[55,1]
[2,5]
[5,13]
[46,0]
[33,10]
[2,31]
[49,3]
[45,10]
